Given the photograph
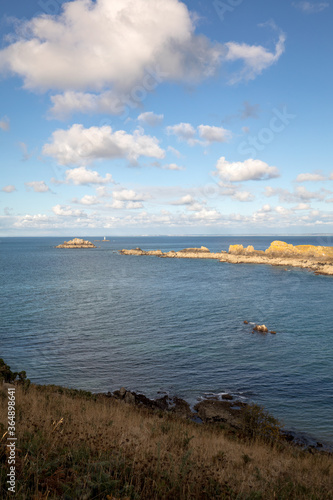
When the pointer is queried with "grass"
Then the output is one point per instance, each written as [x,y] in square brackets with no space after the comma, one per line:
[75,445]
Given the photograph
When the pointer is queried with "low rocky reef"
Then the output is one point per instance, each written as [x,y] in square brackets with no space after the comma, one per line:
[186,253]
[77,243]
[318,259]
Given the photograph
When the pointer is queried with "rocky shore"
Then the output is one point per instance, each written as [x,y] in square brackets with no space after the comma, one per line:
[231,414]
[318,259]
[77,243]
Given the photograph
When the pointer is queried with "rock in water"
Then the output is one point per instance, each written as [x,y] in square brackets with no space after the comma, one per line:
[77,243]
[261,328]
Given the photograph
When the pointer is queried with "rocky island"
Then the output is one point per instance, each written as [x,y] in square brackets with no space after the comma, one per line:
[318,259]
[77,243]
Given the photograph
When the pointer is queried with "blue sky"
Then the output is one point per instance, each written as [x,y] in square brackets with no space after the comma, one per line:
[165,117]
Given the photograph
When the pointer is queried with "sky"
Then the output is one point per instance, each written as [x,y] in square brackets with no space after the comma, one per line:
[151,117]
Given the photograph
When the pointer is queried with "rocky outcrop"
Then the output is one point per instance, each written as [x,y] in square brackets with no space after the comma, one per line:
[186,253]
[77,243]
[261,328]
[175,405]
[317,259]
[210,411]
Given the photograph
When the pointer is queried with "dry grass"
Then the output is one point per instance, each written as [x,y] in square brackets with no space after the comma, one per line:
[75,445]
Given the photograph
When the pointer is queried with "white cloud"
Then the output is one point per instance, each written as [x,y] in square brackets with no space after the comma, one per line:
[130,195]
[311,7]
[87,200]
[302,206]
[70,102]
[122,205]
[151,118]
[83,48]
[80,146]
[300,194]
[255,58]
[33,221]
[331,176]
[282,210]
[9,189]
[184,131]
[176,152]
[172,166]
[214,134]
[83,176]
[134,205]
[303,194]
[185,200]
[102,192]
[81,53]
[67,211]
[243,196]
[37,186]
[5,124]
[244,171]
[309,178]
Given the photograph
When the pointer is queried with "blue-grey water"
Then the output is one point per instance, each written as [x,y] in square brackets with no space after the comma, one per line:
[97,320]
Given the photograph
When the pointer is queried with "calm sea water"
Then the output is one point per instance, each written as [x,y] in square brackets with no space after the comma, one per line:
[96,320]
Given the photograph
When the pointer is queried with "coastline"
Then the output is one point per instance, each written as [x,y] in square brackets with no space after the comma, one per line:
[77,444]
[318,260]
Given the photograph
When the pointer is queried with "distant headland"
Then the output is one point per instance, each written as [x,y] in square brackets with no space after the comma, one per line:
[314,258]
[77,243]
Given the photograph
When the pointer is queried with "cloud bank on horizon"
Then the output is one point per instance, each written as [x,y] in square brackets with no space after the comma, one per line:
[152,116]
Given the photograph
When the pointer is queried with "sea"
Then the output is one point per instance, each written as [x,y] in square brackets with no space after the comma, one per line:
[96,320]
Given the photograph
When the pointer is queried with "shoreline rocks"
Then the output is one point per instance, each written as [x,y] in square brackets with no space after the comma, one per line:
[77,243]
[230,413]
[317,259]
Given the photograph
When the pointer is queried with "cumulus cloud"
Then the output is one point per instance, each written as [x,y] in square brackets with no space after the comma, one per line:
[243,196]
[84,102]
[67,211]
[310,178]
[87,200]
[80,146]
[81,53]
[185,200]
[81,176]
[32,221]
[214,134]
[255,58]
[302,206]
[5,124]
[37,186]
[311,7]
[245,171]
[184,131]
[300,194]
[83,48]
[150,118]
[9,189]
[130,195]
